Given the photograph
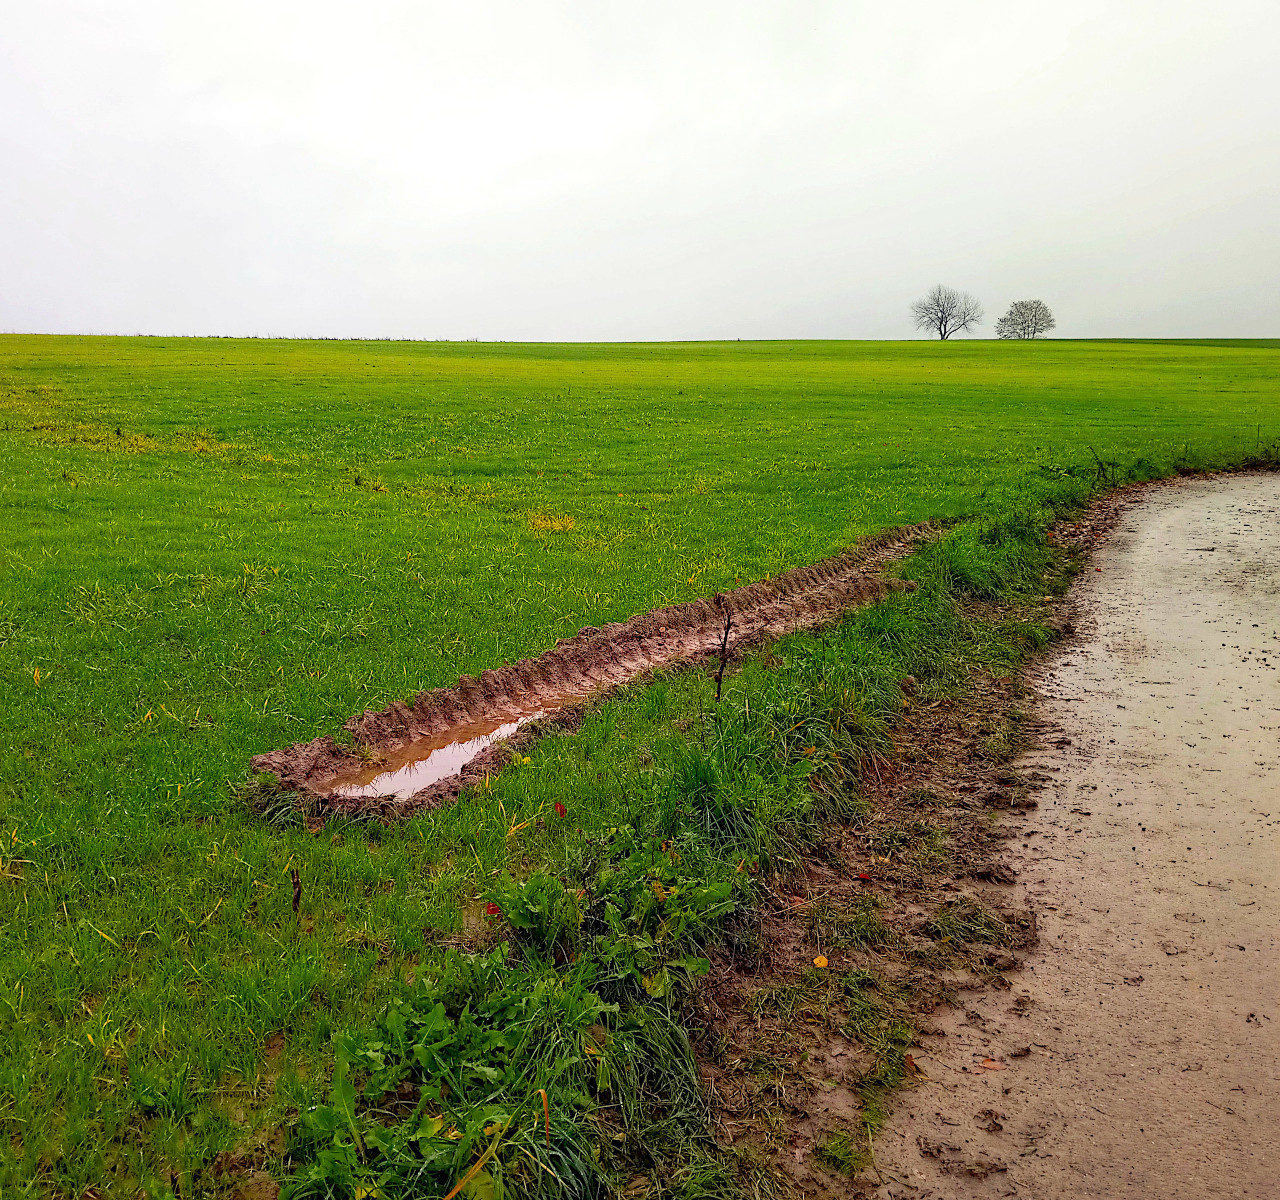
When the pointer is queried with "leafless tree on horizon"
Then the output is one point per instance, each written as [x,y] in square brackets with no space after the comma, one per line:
[1025,319]
[946,312]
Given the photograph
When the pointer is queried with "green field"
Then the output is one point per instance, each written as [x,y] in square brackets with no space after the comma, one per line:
[212,548]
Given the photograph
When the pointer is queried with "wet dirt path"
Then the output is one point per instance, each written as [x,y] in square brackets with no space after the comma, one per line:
[1138,1054]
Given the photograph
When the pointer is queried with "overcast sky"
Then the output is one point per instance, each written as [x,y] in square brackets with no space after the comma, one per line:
[522,169]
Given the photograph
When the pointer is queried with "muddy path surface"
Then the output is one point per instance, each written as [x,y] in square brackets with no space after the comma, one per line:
[418,754]
[1138,1054]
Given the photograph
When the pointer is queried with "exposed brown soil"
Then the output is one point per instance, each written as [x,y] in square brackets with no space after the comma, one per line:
[917,893]
[329,777]
[1109,1028]
[1141,1045]
[780,1050]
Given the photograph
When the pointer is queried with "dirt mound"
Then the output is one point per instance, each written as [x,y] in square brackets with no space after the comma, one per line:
[576,669]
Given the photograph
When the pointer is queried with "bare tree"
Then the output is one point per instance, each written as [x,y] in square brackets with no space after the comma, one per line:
[946,312]
[1025,319]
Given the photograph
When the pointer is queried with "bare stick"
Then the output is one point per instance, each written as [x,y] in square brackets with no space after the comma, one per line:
[724,644]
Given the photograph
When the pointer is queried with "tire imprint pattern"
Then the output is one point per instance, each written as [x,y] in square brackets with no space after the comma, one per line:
[585,666]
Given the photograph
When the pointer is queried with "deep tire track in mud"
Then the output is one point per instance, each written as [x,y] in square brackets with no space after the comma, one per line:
[1138,1053]
[578,669]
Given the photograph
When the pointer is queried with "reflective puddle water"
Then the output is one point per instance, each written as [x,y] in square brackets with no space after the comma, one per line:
[420,764]
[429,760]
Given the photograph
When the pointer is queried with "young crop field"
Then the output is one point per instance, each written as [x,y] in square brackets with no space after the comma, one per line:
[214,548]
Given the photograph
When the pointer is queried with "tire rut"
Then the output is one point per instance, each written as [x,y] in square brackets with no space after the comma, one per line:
[464,731]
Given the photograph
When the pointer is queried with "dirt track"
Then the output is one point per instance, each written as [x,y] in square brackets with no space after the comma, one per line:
[1138,1055]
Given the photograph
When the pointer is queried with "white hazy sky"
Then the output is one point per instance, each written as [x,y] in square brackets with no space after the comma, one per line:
[524,169]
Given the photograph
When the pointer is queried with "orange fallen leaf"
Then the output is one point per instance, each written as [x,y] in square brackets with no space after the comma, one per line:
[990,1064]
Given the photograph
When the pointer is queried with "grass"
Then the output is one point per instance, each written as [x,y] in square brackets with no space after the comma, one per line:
[855,925]
[213,548]
[871,1019]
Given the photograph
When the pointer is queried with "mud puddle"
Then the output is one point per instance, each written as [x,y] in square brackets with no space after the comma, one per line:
[428,761]
[421,764]
[419,754]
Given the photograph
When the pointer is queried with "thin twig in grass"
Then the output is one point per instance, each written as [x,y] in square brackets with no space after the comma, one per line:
[1106,471]
[724,644]
[871,1156]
